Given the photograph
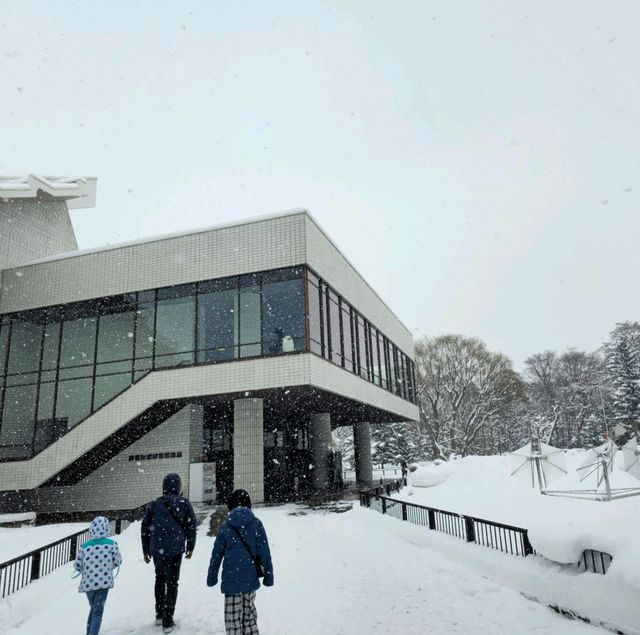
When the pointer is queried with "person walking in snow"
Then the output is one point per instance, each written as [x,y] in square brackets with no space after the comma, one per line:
[96,560]
[242,543]
[168,525]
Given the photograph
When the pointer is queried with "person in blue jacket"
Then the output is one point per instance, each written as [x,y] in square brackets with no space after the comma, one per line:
[96,560]
[169,522]
[240,539]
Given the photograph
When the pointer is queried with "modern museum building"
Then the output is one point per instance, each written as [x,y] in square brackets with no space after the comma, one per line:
[225,354]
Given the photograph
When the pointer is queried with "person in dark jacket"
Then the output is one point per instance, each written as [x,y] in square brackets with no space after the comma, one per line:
[239,577]
[169,522]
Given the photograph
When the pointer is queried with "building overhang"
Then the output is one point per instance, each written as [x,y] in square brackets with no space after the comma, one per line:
[78,192]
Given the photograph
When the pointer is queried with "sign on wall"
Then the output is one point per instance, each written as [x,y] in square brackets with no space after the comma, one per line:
[202,482]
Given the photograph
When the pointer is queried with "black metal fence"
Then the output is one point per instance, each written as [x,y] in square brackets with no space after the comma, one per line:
[506,538]
[595,561]
[17,573]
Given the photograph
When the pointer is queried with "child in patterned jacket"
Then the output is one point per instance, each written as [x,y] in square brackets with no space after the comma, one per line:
[96,560]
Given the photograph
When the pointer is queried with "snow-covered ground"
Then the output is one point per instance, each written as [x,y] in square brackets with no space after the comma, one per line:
[351,573]
[15,541]
[559,528]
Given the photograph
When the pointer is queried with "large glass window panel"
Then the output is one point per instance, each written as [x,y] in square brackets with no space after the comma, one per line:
[324,307]
[282,316]
[4,345]
[46,400]
[18,415]
[250,322]
[108,386]
[391,369]
[218,325]
[347,339]
[362,348]
[22,378]
[78,342]
[375,358]
[144,329]
[315,321]
[175,332]
[51,345]
[73,403]
[115,337]
[334,329]
[382,360]
[24,351]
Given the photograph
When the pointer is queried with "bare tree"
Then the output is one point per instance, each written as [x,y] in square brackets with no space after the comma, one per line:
[462,390]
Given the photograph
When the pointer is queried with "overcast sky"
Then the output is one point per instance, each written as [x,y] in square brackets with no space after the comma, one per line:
[476,161]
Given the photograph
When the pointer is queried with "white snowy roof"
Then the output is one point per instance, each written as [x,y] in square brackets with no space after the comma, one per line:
[78,191]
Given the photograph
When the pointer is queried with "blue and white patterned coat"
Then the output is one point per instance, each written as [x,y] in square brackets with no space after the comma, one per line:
[98,557]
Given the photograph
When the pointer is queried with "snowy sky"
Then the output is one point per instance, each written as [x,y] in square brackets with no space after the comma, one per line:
[476,161]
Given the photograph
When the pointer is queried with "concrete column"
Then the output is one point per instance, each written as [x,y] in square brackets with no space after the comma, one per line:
[362,452]
[320,445]
[248,447]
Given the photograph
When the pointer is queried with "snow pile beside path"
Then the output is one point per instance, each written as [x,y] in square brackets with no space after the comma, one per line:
[560,529]
[16,541]
[431,473]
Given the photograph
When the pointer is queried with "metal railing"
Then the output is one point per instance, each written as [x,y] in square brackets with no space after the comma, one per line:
[505,538]
[17,573]
[595,561]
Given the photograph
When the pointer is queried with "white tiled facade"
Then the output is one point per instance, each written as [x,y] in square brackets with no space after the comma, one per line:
[271,243]
[31,229]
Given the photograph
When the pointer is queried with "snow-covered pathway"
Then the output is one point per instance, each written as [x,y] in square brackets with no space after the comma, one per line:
[346,573]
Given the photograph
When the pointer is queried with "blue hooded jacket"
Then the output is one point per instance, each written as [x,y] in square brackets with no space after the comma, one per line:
[162,534]
[238,571]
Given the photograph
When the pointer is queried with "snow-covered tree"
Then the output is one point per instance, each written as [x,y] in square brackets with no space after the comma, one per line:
[395,442]
[623,368]
[463,391]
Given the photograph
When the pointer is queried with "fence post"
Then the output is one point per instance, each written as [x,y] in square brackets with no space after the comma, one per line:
[432,518]
[470,529]
[73,548]
[118,526]
[528,549]
[384,505]
[387,489]
[35,566]
[404,511]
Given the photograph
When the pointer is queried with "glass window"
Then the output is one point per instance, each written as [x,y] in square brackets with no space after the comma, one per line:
[108,386]
[324,307]
[18,415]
[217,325]
[51,345]
[250,322]
[78,342]
[391,368]
[144,339]
[115,337]
[45,400]
[334,327]
[282,316]
[375,357]
[24,351]
[382,361]
[362,347]
[315,317]
[4,341]
[175,330]
[74,401]
[346,337]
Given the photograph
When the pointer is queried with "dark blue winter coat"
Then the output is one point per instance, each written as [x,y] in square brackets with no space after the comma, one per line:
[238,571]
[161,533]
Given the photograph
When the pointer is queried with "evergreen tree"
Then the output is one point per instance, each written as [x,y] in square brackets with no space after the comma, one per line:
[623,367]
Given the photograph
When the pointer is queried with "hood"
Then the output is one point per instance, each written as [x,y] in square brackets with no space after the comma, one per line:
[240,516]
[171,484]
[100,527]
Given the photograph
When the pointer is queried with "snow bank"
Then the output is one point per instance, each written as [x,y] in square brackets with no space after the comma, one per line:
[431,473]
[16,541]
[560,529]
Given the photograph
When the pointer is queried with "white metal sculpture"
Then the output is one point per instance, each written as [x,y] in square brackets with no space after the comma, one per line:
[537,462]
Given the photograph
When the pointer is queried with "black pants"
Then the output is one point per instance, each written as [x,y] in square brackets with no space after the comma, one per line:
[166,589]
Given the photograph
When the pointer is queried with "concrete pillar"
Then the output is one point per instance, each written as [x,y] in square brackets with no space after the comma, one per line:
[362,452]
[320,445]
[248,447]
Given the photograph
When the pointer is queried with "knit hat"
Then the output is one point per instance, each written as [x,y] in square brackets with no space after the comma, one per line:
[239,498]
